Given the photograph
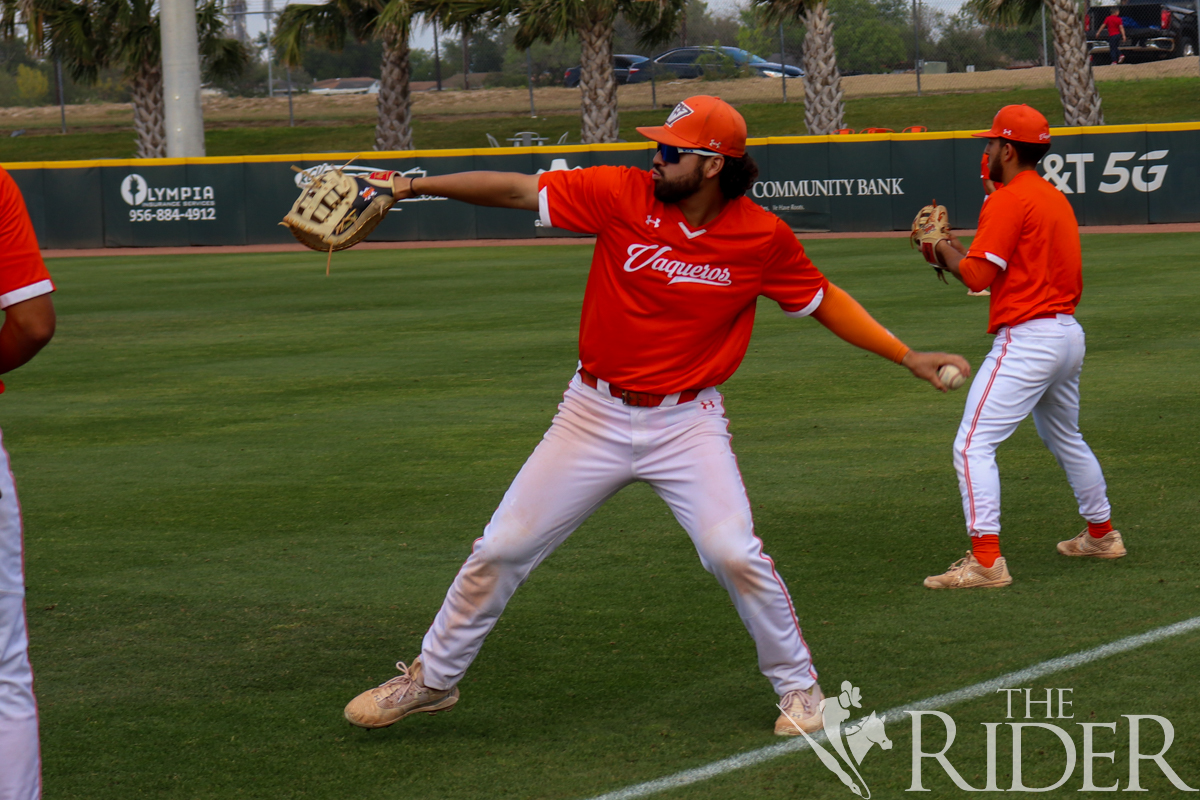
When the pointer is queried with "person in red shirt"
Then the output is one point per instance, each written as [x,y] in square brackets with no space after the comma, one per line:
[681,257]
[1027,251]
[25,289]
[1116,34]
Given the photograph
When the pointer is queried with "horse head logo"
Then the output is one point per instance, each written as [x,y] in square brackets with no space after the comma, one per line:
[851,742]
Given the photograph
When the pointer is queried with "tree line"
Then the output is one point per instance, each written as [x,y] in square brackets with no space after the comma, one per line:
[94,39]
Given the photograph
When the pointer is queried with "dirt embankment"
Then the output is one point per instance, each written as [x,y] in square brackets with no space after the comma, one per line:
[223,112]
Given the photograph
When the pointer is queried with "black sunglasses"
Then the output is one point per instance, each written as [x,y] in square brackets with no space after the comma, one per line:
[670,154]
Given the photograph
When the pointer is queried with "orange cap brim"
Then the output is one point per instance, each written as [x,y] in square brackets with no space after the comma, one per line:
[999,135]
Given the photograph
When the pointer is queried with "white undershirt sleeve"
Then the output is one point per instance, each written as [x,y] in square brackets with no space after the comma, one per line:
[810,308]
[544,207]
[26,293]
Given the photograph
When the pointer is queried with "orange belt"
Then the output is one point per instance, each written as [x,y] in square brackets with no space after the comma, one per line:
[641,399]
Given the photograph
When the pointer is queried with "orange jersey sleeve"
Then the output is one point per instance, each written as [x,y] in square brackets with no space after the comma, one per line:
[790,278]
[580,200]
[1000,224]
[23,274]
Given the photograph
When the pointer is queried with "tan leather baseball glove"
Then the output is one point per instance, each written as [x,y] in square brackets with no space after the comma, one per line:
[931,225]
[337,211]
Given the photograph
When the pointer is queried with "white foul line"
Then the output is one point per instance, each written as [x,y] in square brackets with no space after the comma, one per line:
[937,701]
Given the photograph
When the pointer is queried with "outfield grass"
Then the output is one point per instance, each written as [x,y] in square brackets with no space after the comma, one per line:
[247,487]
[1125,103]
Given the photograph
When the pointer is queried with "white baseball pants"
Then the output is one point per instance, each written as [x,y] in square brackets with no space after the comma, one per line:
[1032,368]
[596,446]
[20,759]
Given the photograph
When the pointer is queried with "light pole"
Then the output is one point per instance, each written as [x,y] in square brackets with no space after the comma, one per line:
[181,79]
[782,63]
[917,43]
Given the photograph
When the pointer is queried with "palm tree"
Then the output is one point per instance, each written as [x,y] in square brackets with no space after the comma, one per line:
[824,107]
[1073,66]
[89,35]
[593,21]
[330,24]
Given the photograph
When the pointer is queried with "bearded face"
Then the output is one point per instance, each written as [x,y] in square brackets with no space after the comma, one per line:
[673,190]
[995,168]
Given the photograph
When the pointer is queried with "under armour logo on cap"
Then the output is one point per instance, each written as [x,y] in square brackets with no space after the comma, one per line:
[714,144]
[682,110]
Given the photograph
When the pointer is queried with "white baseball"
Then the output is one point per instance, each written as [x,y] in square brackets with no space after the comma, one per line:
[951,376]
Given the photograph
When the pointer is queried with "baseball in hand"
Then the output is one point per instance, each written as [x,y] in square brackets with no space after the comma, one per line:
[951,376]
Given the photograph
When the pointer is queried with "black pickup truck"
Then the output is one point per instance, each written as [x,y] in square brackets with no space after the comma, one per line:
[1153,30]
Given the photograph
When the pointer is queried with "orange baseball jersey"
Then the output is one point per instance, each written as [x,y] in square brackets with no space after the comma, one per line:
[23,274]
[668,308]
[1028,230]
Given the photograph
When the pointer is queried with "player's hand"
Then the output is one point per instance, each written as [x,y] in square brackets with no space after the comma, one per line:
[957,244]
[926,365]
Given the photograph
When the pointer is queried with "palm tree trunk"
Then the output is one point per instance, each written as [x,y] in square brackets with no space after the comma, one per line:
[597,83]
[393,128]
[1076,84]
[824,110]
[146,96]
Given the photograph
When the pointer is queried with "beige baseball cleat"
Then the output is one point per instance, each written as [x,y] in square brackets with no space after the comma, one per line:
[1110,545]
[404,694]
[801,710]
[967,573]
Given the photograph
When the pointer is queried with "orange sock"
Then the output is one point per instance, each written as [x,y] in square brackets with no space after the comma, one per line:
[1099,529]
[986,549]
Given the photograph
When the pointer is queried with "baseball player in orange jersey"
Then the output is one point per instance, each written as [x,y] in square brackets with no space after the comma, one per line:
[25,289]
[1027,251]
[681,257]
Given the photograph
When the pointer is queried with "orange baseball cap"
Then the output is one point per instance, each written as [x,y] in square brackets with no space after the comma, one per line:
[1018,124]
[702,123]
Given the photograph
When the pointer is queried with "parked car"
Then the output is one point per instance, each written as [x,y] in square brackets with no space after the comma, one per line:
[1153,31]
[621,66]
[693,62]
[345,86]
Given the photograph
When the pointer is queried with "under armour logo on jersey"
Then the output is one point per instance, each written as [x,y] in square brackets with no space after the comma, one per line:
[653,220]
[708,405]
[680,111]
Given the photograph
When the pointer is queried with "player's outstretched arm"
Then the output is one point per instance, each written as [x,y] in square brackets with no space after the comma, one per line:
[28,327]
[841,314]
[499,189]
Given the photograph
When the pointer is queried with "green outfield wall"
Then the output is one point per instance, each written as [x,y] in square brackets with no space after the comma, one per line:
[1113,175]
